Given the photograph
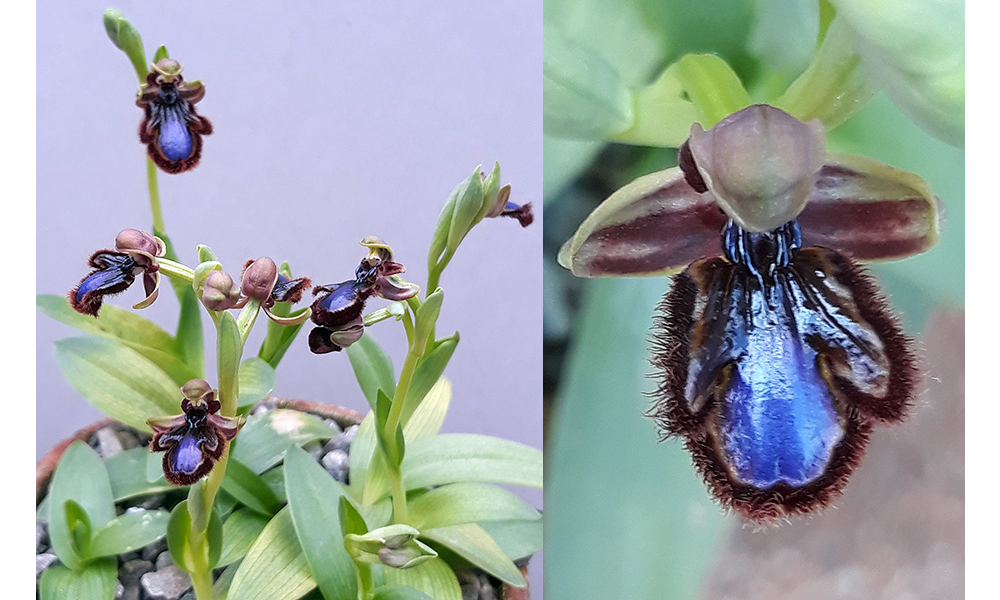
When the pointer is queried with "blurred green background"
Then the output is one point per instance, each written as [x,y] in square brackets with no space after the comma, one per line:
[626,516]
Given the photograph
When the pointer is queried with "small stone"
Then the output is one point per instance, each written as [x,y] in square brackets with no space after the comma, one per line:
[469,582]
[133,592]
[487,590]
[342,441]
[41,536]
[314,448]
[164,560]
[108,443]
[337,464]
[132,555]
[335,426]
[153,550]
[189,596]
[43,561]
[128,439]
[120,592]
[130,572]
[165,584]
[153,502]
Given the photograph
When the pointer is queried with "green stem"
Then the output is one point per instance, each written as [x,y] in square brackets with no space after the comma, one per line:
[377,316]
[399,509]
[202,582]
[154,194]
[176,270]
[435,271]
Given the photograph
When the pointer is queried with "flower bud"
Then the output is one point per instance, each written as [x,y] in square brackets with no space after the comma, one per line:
[259,278]
[133,239]
[220,292]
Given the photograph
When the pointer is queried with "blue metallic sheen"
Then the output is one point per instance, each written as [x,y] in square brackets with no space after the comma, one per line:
[175,139]
[187,456]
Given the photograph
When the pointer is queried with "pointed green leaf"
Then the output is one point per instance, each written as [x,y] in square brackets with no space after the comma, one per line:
[399,592]
[229,350]
[432,577]
[80,477]
[97,581]
[428,415]
[474,545]
[351,520]
[190,336]
[127,471]
[372,367]
[460,503]
[136,332]
[362,453]
[517,539]
[275,568]
[455,457]
[249,488]
[427,373]
[117,380]
[220,589]
[262,442]
[129,531]
[427,316]
[179,537]
[238,534]
[314,502]
[257,381]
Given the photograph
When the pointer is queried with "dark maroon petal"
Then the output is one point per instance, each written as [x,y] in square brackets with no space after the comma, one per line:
[657,224]
[870,211]
[320,341]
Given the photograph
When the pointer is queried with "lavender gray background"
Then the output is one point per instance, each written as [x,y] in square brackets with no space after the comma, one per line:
[333,121]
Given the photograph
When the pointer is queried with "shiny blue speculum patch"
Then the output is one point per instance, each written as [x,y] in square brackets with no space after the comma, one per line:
[775,362]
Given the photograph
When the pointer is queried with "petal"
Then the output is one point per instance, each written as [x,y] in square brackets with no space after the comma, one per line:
[151,283]
[870,211]
[296,318]
[393,288]
[377,247]
[192,91]
[320,341]
[166,423]
[655,225]
[227,426]
[289,290]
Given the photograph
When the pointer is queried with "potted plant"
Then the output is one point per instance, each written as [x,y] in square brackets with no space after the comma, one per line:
[246,512]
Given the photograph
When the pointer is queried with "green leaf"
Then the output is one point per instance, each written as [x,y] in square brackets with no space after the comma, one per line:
[257,381]
[238,534]
[372,367]
[457,457]
[275,568]
[468,201]
[350,519]
[117,380]
[127,471]
[79,527]
[265,437]
[424,411]
[154,467]
[127,39]
[399,592]
[362,455]
[427,316]
[80,477]
[518,539]
[179,537]
[314,502]
[97,581]
[190,337]
[584,97]
[129,531]
[474,545]
[220,589]
[229,350]
[136,332]
[460,503]
[249,488]
[432,577]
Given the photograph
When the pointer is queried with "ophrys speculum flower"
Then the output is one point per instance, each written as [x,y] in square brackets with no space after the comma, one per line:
[135,254]
[172,128]
[776,359]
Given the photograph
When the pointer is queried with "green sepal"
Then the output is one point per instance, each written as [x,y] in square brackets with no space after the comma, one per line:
[468,201]
[713,87]
[439,239]
[127,39]
[160,54]
[201,273]
[491,187]
[205,253]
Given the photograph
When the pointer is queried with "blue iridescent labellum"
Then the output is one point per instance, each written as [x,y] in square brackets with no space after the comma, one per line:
[195,440]
[172,128]
[774,363]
